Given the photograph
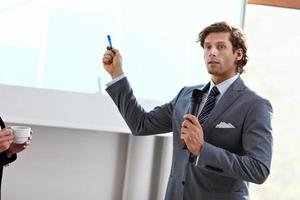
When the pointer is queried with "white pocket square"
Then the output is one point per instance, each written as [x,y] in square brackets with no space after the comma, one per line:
[224,125]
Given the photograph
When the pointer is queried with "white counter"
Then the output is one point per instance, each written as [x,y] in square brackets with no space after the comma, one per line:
[52,108]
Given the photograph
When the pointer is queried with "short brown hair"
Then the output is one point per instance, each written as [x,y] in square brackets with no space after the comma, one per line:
[237,39]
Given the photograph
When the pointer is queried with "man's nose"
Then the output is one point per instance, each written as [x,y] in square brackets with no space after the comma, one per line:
[213,51]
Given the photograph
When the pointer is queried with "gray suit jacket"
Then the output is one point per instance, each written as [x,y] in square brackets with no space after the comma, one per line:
[230,157]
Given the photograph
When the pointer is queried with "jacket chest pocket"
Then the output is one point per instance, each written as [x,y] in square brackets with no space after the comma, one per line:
[226,138]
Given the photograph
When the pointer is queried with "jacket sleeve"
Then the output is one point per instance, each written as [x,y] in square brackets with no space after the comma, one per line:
[140,122]
[4,160]
[254,164]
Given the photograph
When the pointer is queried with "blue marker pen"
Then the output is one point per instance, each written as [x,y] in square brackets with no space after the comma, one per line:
[109,40]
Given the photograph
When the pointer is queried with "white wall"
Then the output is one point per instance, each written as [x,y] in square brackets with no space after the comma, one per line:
[68,164]
[76,164]
[84,162]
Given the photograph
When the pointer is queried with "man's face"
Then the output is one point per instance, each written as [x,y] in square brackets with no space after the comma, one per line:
[218,55]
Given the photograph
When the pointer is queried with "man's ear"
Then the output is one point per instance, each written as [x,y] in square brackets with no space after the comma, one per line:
[239,52]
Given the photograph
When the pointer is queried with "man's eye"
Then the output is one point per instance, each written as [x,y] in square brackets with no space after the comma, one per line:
[221,46]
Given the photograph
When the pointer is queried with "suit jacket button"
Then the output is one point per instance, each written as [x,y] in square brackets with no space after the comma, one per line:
[183,182]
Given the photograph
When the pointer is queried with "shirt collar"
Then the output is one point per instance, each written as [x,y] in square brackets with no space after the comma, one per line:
[223,86]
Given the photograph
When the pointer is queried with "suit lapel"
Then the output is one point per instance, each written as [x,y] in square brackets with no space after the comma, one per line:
[229,97]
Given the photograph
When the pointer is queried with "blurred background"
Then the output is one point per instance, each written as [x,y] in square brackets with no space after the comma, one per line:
[52,79]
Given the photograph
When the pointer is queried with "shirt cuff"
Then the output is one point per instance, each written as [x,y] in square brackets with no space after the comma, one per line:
[197,160]
[115,80]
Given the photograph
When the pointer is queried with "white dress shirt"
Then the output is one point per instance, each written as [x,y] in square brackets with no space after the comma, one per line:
[115,80]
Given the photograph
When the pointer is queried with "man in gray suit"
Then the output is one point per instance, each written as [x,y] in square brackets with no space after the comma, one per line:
[229,141]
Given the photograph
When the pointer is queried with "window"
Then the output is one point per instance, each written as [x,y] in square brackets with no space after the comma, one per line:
[59,44]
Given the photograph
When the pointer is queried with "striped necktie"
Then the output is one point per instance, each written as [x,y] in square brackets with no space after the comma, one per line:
[209,104]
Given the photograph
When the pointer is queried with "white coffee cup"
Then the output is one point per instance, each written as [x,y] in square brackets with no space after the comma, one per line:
[21,133]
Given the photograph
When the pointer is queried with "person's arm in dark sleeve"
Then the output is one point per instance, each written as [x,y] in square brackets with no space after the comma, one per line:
[5,160]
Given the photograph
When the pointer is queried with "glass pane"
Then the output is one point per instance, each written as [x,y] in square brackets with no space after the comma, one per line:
[59,44]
